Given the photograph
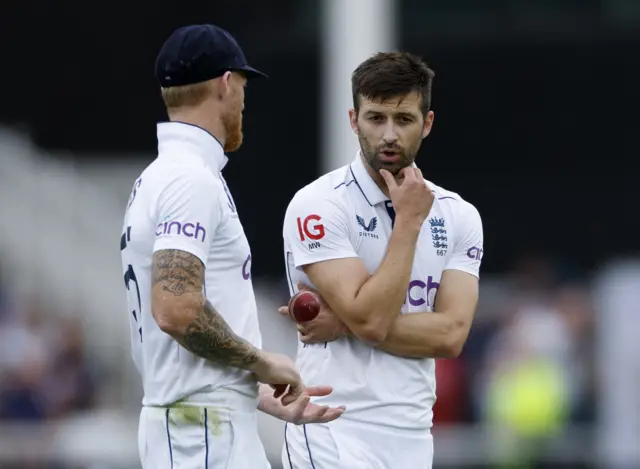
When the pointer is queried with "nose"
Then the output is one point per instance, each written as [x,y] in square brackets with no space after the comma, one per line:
[390,136]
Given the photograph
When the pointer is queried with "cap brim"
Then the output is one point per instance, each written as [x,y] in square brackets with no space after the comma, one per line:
[251,72]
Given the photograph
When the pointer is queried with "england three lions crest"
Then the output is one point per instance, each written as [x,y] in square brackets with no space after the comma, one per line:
[439,235]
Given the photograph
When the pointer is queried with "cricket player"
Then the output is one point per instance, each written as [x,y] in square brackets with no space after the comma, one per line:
[396,260]
[187,270]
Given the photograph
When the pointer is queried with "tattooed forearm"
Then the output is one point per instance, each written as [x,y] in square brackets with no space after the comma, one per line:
[177,289]
[209,336]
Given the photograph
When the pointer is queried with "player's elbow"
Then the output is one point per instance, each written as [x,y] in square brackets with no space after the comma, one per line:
[370,335]
[450,350]
[166,320]
[453,341]
[370,331]
[367,325]
[172,317]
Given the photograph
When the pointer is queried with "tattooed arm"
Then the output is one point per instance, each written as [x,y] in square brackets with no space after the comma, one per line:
[182,311]
[177,301]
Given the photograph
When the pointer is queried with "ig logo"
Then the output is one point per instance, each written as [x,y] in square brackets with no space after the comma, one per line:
[311,230]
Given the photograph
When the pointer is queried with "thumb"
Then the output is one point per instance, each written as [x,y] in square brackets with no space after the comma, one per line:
[295,390]
[388,179]
[284,310]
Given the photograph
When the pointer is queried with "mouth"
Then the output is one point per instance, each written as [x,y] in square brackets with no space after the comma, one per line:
[389,156]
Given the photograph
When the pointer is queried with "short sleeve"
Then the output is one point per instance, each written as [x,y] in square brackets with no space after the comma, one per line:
[188,213]
[316,229]
[469,238]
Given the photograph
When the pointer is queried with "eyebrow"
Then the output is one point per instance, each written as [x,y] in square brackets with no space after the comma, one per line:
[397,114]
[406,114]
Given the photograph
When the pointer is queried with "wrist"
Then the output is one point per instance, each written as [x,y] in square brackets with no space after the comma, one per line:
[409,224]
[260,364]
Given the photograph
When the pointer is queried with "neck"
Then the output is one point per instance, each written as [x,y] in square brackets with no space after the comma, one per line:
[197,116]
[376,176]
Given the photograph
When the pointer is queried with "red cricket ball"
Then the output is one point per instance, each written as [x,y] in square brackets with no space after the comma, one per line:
[304,306]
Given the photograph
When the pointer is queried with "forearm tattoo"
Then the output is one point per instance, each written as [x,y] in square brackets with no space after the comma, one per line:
[208,335]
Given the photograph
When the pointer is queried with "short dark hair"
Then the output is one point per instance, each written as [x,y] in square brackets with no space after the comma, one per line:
[386,75]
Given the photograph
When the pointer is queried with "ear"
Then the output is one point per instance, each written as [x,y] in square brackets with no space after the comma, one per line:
[225,83]
[428,123]
[353,120]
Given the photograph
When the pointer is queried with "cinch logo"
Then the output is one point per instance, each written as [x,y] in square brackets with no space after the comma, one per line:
[420,293]
[310,230]
[186,229]
[246,268]
[475,253]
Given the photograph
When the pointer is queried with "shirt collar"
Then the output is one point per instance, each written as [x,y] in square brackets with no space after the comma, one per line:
[196,138]
[365,182]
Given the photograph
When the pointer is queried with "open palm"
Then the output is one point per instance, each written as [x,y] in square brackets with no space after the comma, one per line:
[302,410]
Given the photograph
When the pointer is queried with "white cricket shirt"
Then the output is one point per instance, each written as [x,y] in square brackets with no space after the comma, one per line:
[181,201]
[344,214]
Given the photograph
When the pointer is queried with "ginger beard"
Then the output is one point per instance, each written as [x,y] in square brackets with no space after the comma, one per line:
[232,118]
[232,123]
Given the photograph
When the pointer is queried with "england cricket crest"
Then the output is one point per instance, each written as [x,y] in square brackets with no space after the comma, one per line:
[439,235]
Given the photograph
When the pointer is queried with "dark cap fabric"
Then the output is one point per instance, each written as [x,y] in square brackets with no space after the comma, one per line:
[197,53]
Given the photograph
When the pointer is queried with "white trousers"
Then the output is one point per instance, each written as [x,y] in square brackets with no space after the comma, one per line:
[199,438]
[344,444]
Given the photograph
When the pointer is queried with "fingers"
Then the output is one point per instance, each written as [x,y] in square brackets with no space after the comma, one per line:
[295,390]
[287,399]
[418,174]
[278,389]
[306,337]
[284,310]
[330,415]
[301,404]
[303,411]
[388,179]
[302,287]
[318,390]
[320,414]
[409,173]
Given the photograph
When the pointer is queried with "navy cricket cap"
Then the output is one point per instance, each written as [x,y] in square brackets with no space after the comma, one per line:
[197,53]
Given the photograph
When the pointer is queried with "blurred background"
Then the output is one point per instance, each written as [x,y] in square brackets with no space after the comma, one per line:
[536,105]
